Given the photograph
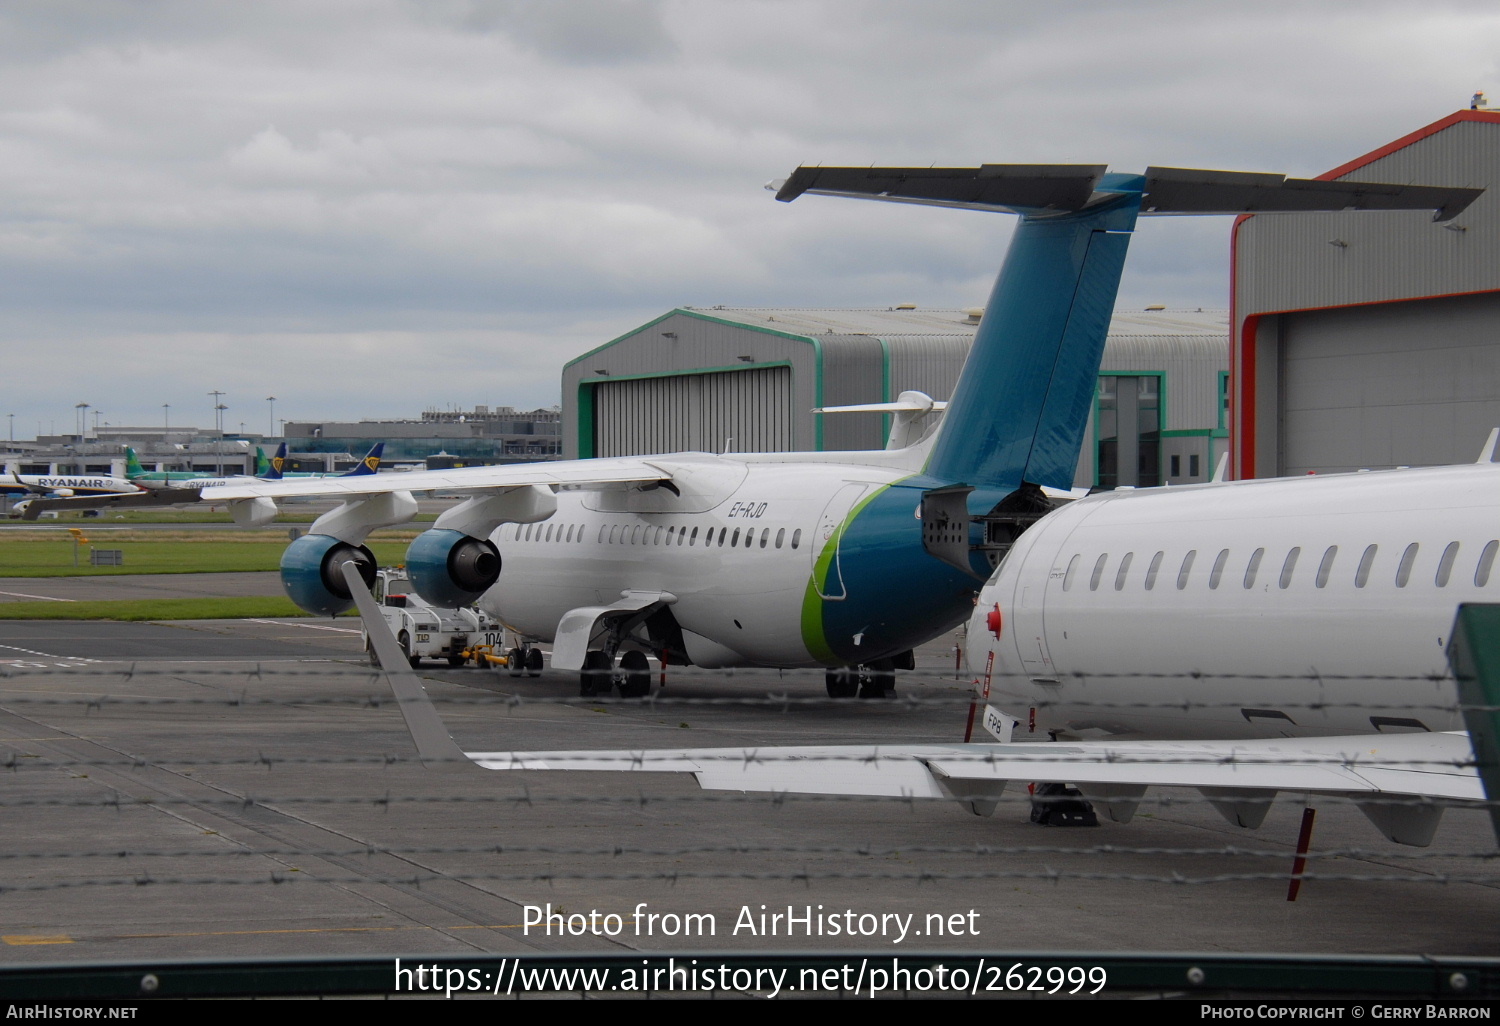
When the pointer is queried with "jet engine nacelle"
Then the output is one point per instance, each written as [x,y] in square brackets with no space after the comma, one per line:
[450,568]
[311,576]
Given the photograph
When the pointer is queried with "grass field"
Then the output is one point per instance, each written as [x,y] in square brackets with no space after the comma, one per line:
[50,553]
[153,609]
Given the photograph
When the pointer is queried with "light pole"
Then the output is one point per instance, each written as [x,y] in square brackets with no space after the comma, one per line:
[12,417]
[219,409]
[271,400]
[81,419]
[166,421]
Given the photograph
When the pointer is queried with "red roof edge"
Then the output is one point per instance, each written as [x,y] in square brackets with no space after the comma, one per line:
[1492,116]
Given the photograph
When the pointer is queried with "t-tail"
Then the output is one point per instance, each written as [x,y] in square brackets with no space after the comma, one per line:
[1018,412]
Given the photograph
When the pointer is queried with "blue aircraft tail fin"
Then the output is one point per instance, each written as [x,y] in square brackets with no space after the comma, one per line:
[370,464]
[275,468]
[1022,401]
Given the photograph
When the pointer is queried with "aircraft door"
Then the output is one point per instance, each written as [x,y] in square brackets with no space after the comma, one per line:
[831,587]
[1034,582]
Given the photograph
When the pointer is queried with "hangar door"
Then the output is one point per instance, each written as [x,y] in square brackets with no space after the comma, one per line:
[735,411]
[1395,384]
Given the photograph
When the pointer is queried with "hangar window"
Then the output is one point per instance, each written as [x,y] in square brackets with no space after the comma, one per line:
[1362,575]
[1187,568]
[796,537]
[1326,566]
[1151,570]
[1098,571]
[1253,567]
[1403,570]
[780,536]
[1445,564]
[1217,573]
[1072,569]
[1290,566]
[1124,569]
[1486,561]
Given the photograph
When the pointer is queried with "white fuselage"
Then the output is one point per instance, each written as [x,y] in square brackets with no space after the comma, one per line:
[1289,607]
[737,549]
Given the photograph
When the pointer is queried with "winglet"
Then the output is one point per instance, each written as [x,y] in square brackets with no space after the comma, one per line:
[435,746]
[1222,469]
[1487,454]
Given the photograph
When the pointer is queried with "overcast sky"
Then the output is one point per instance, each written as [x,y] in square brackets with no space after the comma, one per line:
[371,207]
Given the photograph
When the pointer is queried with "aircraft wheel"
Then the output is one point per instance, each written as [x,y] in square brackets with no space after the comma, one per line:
[455,660]
[841,683]
[637,670]
[514,662]
[404,639]
[533,662]
[371,656]
[595,679]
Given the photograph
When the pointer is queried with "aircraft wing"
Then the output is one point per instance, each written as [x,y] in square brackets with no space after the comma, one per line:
[460,481]
[1400,781]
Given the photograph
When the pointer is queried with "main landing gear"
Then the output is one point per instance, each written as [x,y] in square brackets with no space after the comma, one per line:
[599,676]
[867,680]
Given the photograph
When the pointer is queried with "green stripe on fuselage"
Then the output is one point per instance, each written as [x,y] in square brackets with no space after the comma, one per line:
[813,635]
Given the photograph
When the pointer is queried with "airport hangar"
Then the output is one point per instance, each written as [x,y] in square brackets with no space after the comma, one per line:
[1364,340]
[748,380]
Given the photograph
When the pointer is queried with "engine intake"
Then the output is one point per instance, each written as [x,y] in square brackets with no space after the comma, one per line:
[310,573]
[450,568]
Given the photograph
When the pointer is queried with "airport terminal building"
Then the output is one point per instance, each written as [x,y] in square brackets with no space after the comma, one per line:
[748,380]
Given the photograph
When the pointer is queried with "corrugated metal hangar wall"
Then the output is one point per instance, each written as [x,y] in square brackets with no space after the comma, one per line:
[748,380]
[1373,339]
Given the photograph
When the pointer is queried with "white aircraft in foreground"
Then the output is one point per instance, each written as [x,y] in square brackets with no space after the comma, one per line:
[29,488]
[845,560]
[1266,636]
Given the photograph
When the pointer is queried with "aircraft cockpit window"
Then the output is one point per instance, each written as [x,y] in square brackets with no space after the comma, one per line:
[1098,571]
[1151,570]
[1123,571]
[1290,566]
[1362,575]
[1486,561]
[1072,569]
[1445,565]
[1187,568]
[780,536]
[1217,573]
[796,537]
[1403,570]
[1325,568]
[1253,567]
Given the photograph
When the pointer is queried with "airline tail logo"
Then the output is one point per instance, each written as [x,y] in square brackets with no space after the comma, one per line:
[372,463]
[277,464]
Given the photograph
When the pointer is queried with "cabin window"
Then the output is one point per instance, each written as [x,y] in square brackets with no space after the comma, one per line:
[569,538]
[1289,566]
[780,536]
[1445,565]
[694,539]
[601,534]
[635,534]
[1486,561]
[749,537]
[1124,569]
[657,539]
[765,536]
[1325,568]
[613,532]
[1253,567]
[1151,570]
[1098,571]
[671,534]
[1403,569]
[1362,575]
[1187,568]
[1072,569]
[549,532]
[528,531]
[796,537]
[1217,573]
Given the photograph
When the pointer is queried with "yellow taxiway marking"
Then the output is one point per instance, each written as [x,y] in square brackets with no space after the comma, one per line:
[23,938]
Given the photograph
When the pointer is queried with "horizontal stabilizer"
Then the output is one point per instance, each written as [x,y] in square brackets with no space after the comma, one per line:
[1176,190]
[1059,188]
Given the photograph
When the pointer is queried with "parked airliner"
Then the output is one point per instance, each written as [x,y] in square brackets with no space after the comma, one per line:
[845,560]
